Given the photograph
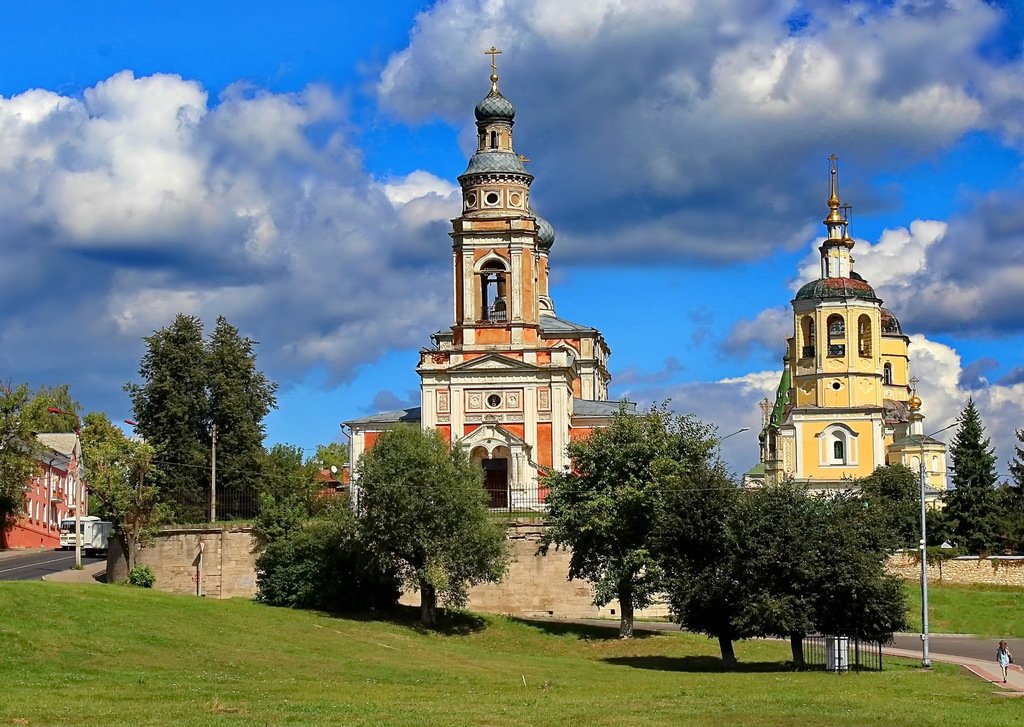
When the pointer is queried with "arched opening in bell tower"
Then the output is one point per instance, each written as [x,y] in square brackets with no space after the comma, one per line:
[493,292]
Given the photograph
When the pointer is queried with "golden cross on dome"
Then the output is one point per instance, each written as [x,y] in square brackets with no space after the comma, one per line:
[493,53]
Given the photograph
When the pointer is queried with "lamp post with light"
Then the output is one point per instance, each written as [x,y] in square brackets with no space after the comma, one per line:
[77,483]
[922,476]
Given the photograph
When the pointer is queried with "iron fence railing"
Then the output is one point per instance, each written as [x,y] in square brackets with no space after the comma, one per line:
[841,653]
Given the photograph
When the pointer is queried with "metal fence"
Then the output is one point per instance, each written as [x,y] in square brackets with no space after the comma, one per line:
[841,653]
[193,507]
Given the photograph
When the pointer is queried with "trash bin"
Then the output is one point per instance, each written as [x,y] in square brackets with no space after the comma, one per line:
[837,653]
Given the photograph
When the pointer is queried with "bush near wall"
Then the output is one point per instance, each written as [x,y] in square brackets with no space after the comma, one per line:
[323,565]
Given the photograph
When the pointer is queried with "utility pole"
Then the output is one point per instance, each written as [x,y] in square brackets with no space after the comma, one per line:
[213,475]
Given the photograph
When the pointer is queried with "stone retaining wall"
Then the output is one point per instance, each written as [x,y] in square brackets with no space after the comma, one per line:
[1000,570]
[227,568]
[535,585]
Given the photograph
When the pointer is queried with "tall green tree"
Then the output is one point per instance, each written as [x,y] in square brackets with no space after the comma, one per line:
[171,409]
[1012,500]
[604,507]
[122,483]
[1017,463]
[973,506]
[18,451]
[894,490]
[240,397]
[188,386]
[424,515]
[334,454]
[697,543]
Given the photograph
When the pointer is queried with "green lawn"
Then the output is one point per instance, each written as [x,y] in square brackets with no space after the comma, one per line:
[107,655]
[995,611]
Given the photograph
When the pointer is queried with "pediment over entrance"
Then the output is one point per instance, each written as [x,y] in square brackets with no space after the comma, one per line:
[493,362]
[491,437]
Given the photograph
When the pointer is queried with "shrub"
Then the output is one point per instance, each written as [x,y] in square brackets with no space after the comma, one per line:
[142,576]
[324,565]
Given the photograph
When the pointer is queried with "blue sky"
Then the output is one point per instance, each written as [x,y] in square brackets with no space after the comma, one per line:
[293,168]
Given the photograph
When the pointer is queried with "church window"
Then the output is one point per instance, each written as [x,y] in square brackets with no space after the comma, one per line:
[887,374]
[839,450]
[471,199]
[864,336]
[807,328]
[494,401]
[494,139]
[836,335]
[491,198]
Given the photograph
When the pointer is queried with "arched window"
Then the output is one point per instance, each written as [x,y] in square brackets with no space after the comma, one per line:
[837,446]
[494,139]
[839,449]
[836,335]
[864,335]
[807,328]
[887,374]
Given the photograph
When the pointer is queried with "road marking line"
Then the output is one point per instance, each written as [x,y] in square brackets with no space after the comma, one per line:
[32,565]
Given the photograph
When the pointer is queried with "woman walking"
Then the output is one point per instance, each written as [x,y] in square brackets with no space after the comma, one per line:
[1004,658]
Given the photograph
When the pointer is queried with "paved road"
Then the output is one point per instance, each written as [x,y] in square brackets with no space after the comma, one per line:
[34,564]
[971,647]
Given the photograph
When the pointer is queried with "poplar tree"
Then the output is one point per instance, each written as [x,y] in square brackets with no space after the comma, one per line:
[973,506]
[172,413]
[190,385]
[240,397]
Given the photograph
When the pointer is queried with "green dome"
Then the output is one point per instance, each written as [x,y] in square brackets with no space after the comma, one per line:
[836,288]
[495,107]
[545,233]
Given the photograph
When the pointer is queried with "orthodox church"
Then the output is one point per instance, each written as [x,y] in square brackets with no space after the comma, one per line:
[846,402]
[510,382]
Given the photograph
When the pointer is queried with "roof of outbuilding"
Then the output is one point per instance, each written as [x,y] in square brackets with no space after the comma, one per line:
[594,408]
[412,414]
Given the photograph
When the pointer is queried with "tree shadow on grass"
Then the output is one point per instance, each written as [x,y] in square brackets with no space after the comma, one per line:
[449,623]
[584,632]
[697,664]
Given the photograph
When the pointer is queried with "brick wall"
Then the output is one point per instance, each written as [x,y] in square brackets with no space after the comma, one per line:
[1000,570]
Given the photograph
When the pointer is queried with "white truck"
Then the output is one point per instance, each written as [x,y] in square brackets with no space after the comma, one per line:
[95,533]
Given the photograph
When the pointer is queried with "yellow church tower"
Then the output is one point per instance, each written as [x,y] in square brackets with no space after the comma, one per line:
[844,399]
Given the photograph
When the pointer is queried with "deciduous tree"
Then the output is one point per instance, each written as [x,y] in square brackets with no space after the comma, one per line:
[424,514]
[121,480]
[698,545]
[605,506]
[894,491]
[18,451]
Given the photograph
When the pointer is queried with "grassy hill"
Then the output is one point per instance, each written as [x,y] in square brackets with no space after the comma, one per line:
[111,655]
[994,611]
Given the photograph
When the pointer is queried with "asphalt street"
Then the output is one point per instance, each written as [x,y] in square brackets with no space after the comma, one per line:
[34,564]
[969,646]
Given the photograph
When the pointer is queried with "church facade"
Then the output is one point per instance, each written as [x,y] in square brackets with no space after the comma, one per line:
[510,382]
[846,402]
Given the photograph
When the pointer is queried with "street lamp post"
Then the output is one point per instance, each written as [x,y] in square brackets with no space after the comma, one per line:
[926,660]
[77,481]
[738,431]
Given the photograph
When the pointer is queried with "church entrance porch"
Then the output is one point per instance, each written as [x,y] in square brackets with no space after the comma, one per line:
[496,482]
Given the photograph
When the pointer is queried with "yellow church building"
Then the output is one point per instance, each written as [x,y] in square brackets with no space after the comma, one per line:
[846,402]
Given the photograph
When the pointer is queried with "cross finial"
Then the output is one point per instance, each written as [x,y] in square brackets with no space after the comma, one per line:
[914,381]
[493,53]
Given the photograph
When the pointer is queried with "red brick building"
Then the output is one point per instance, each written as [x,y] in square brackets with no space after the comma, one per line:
[51,495]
